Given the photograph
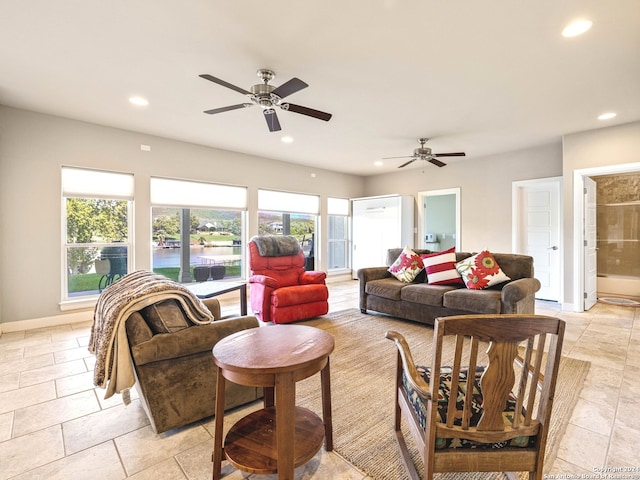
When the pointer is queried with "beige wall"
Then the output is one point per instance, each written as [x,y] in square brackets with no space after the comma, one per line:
[34,146]
[485,189]
[604,147]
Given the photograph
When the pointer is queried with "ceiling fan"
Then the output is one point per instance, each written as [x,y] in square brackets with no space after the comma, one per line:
[268,97]
[424,153]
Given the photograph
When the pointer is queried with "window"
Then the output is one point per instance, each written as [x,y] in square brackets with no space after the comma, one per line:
[97,209]
[206,218]
[284,213]
[338,233]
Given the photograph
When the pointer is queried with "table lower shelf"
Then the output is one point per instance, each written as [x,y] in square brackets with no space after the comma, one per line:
[250,444]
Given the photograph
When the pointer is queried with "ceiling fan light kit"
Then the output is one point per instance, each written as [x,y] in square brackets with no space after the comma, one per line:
[425,153]
[268,98]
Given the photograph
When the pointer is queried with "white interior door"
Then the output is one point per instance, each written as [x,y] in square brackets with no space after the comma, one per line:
[537,231]
[590,250]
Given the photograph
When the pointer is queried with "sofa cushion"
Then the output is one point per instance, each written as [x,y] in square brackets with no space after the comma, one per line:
[165,317]
[407,266]
[385,287]
[481,271]
[425,294]
[476,301]
[441,268]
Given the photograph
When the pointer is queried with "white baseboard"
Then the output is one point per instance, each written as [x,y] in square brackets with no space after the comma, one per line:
[75,317]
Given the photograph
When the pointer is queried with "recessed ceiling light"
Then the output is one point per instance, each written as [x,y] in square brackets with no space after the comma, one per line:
[378,163]
[576,28]
[141,102]
[286,140]
[606,116]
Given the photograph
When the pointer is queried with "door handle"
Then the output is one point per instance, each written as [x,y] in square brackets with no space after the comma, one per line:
[552,248]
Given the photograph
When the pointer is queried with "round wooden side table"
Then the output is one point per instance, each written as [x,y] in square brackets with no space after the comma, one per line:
[281,436]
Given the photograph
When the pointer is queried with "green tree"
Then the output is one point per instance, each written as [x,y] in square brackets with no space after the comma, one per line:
[91,220]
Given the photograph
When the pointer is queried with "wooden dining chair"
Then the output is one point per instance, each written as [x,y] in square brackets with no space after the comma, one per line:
[489,411]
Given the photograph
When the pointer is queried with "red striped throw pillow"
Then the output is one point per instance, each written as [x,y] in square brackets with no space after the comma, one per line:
[441,268]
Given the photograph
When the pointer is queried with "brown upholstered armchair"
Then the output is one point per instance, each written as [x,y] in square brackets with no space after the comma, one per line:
[173,363]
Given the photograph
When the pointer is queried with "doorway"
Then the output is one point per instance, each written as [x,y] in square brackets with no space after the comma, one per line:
[537,233]
[439,219]
[580,265]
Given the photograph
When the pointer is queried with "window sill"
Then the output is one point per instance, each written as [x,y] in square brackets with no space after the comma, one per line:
[78,304]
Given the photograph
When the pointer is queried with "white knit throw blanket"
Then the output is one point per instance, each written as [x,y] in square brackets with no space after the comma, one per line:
[114,367]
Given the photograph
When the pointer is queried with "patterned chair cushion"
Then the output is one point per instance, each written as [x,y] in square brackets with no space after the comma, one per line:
[444,393]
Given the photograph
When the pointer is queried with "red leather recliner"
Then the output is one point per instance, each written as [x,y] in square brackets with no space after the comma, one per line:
[281,290]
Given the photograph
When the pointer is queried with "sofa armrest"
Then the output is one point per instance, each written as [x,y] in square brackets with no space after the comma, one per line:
[310,277]
[188,341]
[517,290]
[264,280]
[366,275]
[373,273]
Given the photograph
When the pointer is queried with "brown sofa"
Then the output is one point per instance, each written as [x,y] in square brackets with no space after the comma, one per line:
[421,302]
[173,364]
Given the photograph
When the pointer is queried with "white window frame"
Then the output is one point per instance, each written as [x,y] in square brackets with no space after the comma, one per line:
[78,182]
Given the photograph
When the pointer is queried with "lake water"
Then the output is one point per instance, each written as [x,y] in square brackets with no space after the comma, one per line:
[170,257]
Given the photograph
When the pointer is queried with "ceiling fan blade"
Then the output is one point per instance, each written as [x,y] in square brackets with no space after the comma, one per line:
[405,164]
[437,162]
[392,158]
[456,154]
[213,79]
[230,107]
[292,86]
[272,120]
[310,112]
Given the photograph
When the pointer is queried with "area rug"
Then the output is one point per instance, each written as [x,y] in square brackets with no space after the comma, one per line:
[362,392]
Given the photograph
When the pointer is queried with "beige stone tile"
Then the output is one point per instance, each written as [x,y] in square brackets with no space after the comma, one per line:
[11,338]
[90,362]
[630,389]
[603,376]
[9,382]
[30,451]
[11,354]
[95,428]
[51,372]
[628,413]
[48,331]
[36,417]
[624,447]
[593,416]
[167,470]
[142,448]
[74,384]
[50,347]
[617,338]
[6,423]
[613,358]
[583,447]
[72,354]
[100,462]
[24,397]
[25,364]
[604,395]
[560,467]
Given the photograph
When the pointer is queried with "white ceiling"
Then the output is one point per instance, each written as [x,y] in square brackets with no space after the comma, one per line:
[482,77]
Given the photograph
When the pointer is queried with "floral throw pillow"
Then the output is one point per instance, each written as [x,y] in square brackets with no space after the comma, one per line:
[441,268]
[407,266]
[481,271]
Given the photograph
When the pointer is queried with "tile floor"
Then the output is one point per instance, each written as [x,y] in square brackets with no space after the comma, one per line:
[55,425]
